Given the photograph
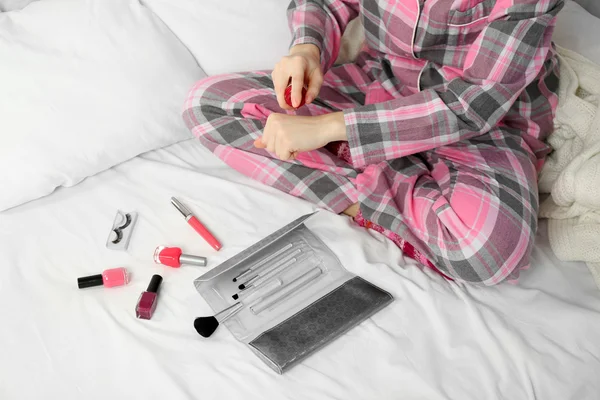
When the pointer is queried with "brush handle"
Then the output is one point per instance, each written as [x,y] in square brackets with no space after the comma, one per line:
[273,266]
[247,294]
[278,270]
[229,312]
[262,262]
[288,290]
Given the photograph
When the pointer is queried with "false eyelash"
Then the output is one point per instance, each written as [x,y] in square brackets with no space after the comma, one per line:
[127,222]
[119,234]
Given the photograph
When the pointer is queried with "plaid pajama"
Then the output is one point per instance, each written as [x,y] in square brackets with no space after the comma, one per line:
[446,113]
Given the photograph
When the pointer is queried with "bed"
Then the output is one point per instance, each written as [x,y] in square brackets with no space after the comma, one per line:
[537,339]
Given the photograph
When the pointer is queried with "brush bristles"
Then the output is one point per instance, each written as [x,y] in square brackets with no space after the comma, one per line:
[206,326]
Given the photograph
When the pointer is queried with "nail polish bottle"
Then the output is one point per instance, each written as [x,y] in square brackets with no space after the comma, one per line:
[147,302]
[287,95]
[173,257]
[109,278]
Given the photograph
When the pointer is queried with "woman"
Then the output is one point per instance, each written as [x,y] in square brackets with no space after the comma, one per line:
[433,136]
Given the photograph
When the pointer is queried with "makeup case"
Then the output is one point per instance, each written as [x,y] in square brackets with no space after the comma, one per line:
[296,296]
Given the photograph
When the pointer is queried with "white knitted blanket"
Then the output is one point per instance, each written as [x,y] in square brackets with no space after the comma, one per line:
[571,174]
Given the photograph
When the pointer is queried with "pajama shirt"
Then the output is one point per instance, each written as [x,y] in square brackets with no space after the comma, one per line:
[446,110]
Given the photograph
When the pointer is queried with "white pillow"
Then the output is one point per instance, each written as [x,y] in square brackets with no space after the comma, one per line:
[85,85]
[229,35]
[9,5]
[579,31]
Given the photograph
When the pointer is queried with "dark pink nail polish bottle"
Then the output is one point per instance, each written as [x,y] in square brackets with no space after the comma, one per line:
[147,302]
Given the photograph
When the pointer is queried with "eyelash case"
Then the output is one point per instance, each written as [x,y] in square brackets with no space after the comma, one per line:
[122,228]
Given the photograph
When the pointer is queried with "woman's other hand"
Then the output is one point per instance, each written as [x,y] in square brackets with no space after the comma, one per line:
[302,67]
[287,135]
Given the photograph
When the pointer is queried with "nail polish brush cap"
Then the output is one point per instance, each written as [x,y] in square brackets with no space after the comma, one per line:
[154,284]
[90,281]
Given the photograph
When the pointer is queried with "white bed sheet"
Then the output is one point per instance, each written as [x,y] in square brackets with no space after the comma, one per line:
[438,340]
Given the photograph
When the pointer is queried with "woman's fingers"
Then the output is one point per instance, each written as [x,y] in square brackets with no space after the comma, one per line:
[273,139]
[291,69]
[297,86]
[271,148]
[315,82]
[258,143]
[286,135]
[263,141]
[298,71]
[270,135]
[280,150]
[280,81]
[301,68]
[285,150]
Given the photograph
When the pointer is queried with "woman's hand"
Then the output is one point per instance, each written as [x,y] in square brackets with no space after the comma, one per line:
[303,67]
[287,135]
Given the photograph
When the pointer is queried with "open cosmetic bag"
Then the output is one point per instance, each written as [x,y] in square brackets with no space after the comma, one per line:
[288,295]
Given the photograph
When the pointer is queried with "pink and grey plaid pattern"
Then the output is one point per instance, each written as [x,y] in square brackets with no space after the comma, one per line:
[446,112]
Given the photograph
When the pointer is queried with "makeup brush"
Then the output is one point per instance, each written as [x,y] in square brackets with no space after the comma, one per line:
[259,280]
[267,288]
[285,260]
[286,291]
[206,326]
[261,264]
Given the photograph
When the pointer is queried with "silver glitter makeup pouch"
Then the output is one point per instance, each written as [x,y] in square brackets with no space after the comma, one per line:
[290,296]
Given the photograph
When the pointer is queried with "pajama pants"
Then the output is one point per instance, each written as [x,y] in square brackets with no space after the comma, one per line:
[470,208]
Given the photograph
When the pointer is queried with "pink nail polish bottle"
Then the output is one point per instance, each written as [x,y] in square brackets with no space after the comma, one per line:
[109,278]
[147,302]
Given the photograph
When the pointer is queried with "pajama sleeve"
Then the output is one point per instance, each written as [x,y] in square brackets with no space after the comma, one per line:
[507,55]
[322,23]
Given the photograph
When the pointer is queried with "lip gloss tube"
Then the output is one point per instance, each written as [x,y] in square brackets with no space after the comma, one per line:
[109,278]
[147,301]
[196,224]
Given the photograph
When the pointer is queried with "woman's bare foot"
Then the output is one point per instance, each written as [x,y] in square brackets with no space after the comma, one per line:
[352,210]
